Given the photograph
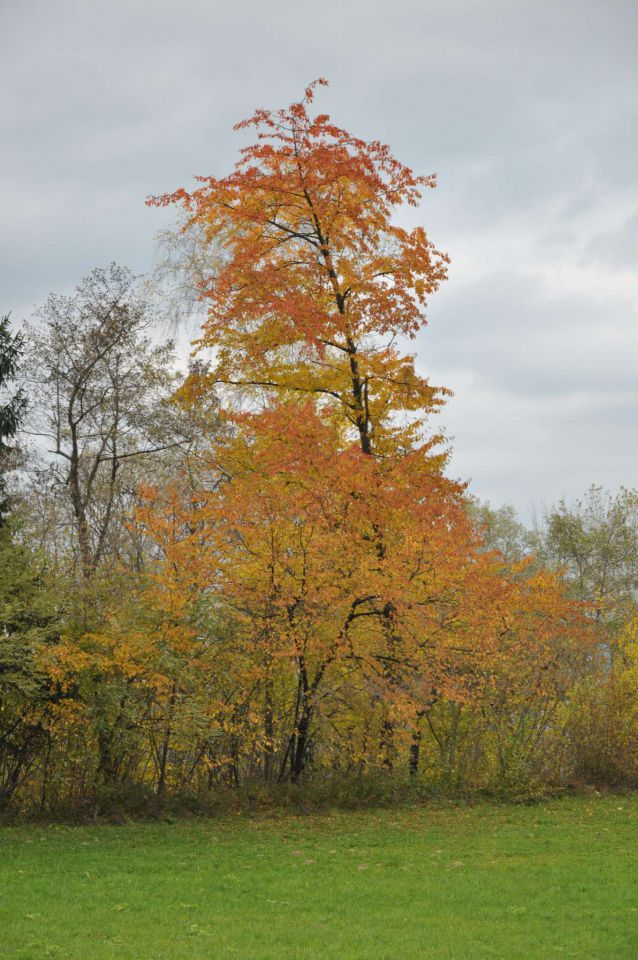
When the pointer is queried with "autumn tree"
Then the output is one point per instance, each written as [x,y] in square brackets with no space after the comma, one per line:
[315,282]
[315,285]
[335,491]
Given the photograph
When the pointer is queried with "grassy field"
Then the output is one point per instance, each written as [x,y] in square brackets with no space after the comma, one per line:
[555,880]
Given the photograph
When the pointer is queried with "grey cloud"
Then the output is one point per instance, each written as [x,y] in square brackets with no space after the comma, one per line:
[617,246]
[517,335]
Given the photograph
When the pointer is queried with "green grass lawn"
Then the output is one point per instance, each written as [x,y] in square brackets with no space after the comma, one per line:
[555,880]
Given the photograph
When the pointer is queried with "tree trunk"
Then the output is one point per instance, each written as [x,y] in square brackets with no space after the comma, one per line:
[415,749]
[300,746]
[269,743]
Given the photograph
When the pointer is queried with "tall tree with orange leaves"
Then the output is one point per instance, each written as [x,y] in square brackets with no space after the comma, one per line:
[345,551]
[318,281]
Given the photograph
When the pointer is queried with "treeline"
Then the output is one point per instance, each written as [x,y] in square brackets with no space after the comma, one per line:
[260,572]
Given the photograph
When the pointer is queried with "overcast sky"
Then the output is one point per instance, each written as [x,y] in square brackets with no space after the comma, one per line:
[527,111]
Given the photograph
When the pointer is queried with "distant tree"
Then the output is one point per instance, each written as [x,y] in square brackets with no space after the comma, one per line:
[102,390]
[596,541]
[502,530]
[28,616]
[28,621]
[182,266]
[12,408]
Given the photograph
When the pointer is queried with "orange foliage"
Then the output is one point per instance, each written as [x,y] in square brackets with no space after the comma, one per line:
[336,544]
[318,281]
